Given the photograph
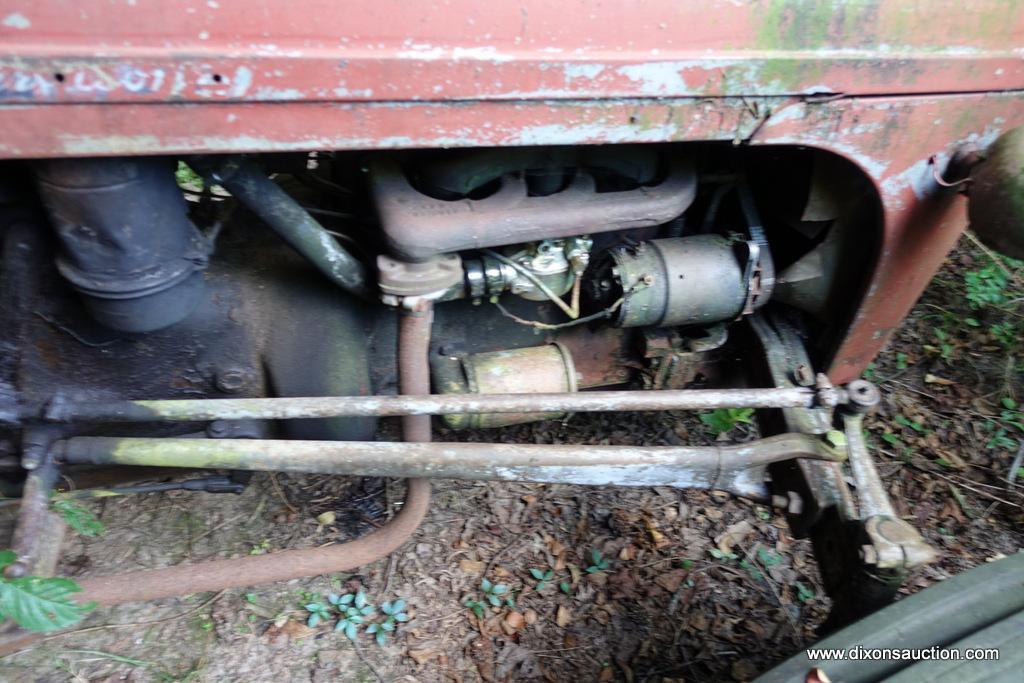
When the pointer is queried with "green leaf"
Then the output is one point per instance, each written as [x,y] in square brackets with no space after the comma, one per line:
[768,558]
[347,599]
[536,573]
[381,638]
[7,557]
[499,589]
[486,586]
[595,555]
[1009,403]
[401,616]
[564,586]
[803,593]
[723,420]
[494,600]
[41,604]
[541,585]
[360,599]
[80,519]
[351,631]
[313,620]
[397,606]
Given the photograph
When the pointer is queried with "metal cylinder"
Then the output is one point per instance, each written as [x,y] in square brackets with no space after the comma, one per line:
[250,185]
[128,245]
[682,466]
[692,280]
[203,410]
[544,369]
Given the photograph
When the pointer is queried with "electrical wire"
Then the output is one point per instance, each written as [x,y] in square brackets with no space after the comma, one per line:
[568,310]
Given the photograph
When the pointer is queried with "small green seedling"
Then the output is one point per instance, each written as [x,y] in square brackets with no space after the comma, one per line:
[542,577]
[394,615]
[493,592]
[724,420]
[353,609]
[318,612]
[477,607]
[565,587]
[598,563]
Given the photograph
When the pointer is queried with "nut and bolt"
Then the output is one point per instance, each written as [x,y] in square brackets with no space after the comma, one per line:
[803,375]
[218,429]
[231,380]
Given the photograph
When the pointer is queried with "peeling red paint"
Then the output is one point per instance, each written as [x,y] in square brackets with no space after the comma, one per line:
[265,75]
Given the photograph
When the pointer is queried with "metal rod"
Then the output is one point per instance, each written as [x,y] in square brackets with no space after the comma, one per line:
[250,185]
[383,406]
[681,466]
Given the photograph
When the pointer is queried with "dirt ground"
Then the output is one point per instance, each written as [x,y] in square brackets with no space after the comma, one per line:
[669,598]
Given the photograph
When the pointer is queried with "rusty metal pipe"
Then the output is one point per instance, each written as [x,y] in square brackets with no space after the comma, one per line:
[217,575]
[683,466]
[424,404]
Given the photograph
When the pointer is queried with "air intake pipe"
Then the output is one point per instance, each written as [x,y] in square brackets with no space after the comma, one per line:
[128,246]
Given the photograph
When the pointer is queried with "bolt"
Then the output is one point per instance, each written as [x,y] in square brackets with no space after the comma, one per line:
[803,375]
[862,396]
[230,380]
[218,429]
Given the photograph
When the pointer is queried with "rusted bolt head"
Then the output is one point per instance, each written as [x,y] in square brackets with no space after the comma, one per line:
[218,428]
[862,395]
[231,380]
[803,375]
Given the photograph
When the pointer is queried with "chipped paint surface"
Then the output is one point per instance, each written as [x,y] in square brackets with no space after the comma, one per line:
[382,50]
[385,74]
[16,20]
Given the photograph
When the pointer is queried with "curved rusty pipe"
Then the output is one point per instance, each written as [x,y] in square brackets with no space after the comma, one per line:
[216,575]
[152,584]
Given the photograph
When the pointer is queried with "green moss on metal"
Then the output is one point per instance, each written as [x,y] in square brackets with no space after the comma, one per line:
[155,453]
